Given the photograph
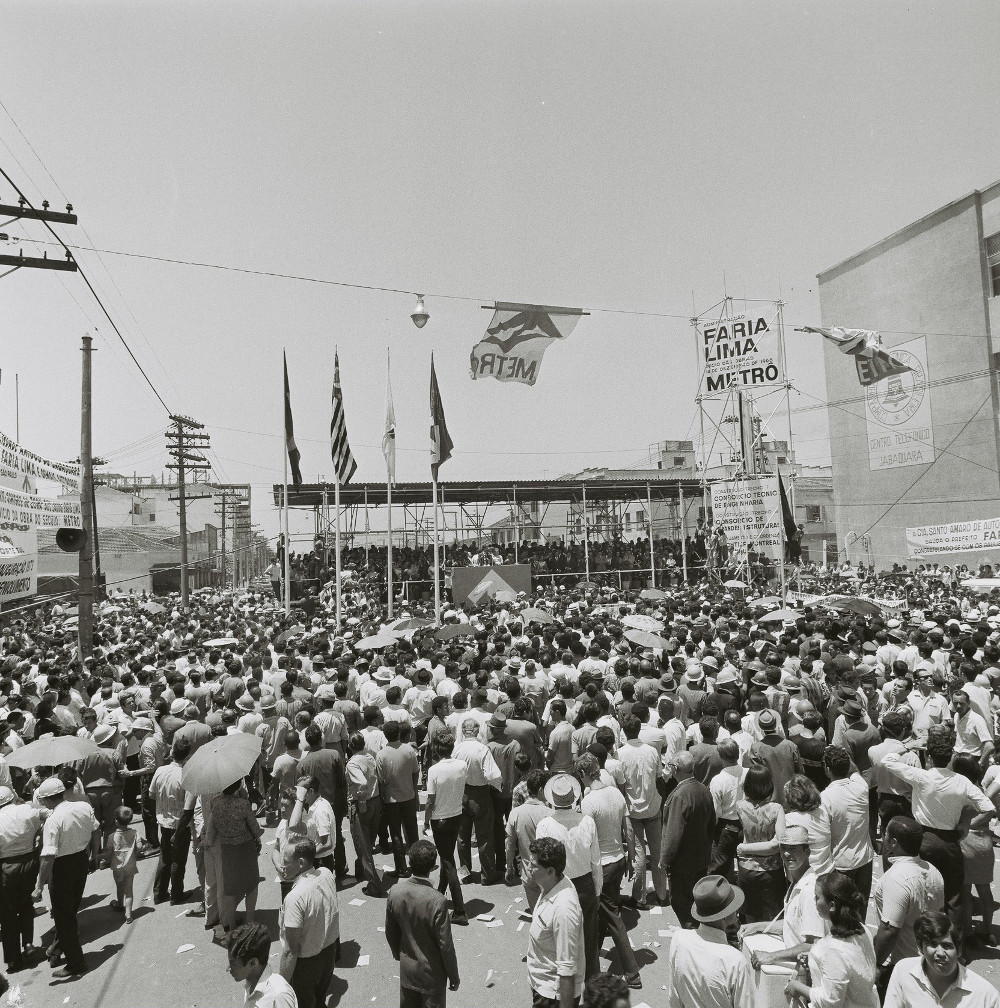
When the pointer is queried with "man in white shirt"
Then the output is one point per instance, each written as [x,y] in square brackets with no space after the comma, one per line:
[727,789]
[941,800]
[911,886]
[705,971]
[846,802]
[972,735]
[578,834]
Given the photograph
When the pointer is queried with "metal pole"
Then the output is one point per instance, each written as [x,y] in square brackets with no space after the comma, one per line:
[182,512]
[85,599]
[367,529]
[586,537]
[682,507]
[437,583]
[388,501]
[516,536]
[336,542]
[286,555]
[652,557]
[17,408]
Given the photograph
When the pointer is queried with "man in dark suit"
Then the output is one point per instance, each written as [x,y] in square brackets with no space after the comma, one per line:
[418,930]
[688,822]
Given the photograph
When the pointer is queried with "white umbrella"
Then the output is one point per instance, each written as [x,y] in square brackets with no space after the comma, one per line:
[221,642]
[642,622]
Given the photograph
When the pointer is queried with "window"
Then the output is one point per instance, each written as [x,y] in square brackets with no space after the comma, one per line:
[679,461]
[152,517]
[640,517]
[814,513]
[993,261]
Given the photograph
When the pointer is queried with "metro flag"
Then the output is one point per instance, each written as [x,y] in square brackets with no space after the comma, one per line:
[864,345]
[517,337]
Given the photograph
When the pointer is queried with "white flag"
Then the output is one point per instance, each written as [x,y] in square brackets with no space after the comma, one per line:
[389,437]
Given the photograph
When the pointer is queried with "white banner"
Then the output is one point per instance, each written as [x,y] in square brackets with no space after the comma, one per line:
[740,351]
[18,563]
[43,512]
[898,410]
[516,339]
[17,463]
[749,511]
[955,537]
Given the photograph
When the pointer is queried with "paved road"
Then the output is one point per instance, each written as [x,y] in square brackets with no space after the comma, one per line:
[141,964]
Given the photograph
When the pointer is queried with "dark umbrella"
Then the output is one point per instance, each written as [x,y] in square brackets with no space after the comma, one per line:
[644,639]
[455,630]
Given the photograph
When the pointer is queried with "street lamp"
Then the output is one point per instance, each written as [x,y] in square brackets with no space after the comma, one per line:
[419,314]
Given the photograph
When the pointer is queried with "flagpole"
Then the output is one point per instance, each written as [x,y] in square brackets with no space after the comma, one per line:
[284,500]
[388,493]
[336,540]
[437,584]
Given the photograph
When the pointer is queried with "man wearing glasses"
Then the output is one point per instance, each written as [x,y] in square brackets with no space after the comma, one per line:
[929,707]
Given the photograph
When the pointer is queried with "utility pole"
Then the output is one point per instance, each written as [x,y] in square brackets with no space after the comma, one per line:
[85,601]
[185,446]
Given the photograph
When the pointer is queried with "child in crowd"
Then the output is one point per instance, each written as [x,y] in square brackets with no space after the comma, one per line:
[120,854]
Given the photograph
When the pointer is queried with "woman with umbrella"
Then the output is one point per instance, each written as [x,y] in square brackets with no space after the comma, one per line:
[234,827]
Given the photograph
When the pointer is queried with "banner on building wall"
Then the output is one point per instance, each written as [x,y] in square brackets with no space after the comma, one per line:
[898,412]
[18,563]
[955,537]
[739,351]
[749,512]
[18,464]
[43,512]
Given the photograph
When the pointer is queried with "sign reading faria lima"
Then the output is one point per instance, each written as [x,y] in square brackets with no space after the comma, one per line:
[740,351]
[898,412]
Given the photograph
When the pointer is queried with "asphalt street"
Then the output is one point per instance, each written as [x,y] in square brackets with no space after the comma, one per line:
[165,959]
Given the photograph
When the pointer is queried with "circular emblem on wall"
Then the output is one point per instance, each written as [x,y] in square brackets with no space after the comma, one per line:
[895,399]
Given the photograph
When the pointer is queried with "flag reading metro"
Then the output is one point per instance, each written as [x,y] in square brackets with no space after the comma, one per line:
[873,363]
[517,337]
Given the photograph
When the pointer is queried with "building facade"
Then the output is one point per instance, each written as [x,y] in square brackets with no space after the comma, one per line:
[917,452]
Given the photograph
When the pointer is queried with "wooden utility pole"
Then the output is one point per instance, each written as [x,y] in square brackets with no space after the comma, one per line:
[85,625]
[185,446]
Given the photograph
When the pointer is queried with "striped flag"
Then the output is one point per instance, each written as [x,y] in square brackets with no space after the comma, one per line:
[441,443]
[293,452]
[389,437]
[344,465]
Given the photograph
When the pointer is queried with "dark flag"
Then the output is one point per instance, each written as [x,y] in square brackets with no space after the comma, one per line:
[787,518]
[441,443]
[293,452]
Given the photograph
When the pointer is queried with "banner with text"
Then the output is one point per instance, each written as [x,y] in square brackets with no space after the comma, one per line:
[955,537]
[749,511]
[18,464]
[898,411]
[740,351]
[18,563]
[43,512]
[482,584]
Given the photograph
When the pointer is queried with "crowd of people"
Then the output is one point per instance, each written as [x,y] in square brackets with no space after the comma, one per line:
[749,773]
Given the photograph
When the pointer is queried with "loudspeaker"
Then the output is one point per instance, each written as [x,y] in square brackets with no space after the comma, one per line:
[71,540]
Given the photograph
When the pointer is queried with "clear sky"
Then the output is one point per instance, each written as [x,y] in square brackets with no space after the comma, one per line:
[642,157]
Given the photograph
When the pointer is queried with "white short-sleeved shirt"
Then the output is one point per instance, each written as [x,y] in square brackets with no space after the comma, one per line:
[909,888]
[312,907]
[446,781]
